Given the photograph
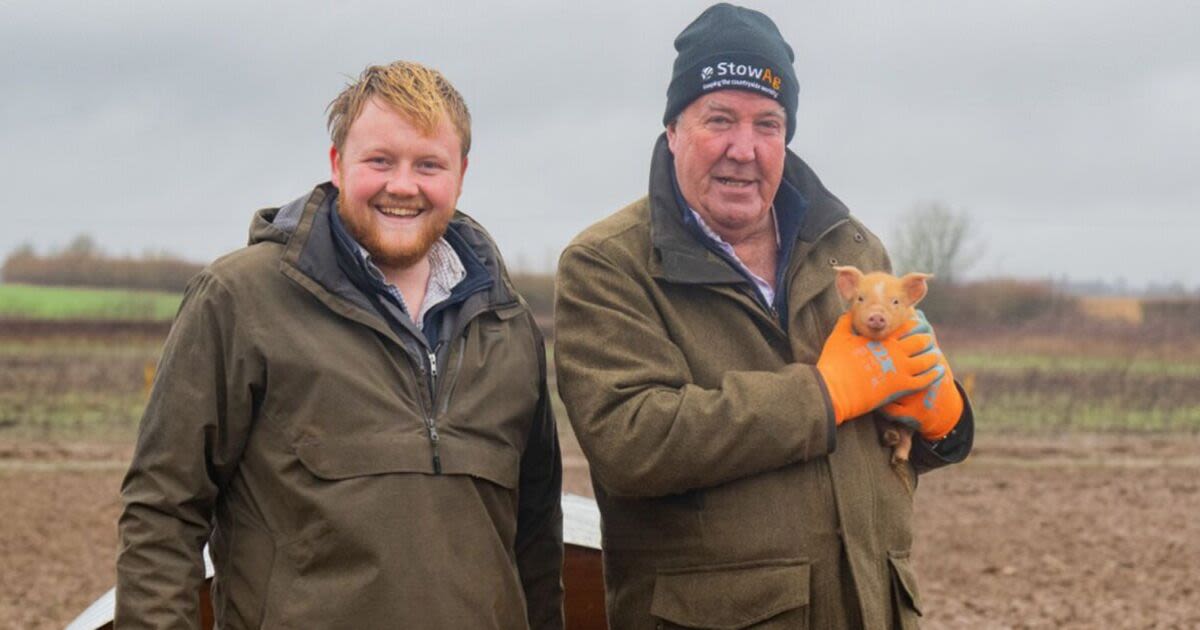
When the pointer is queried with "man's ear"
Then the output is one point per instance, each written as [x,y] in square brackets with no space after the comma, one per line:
[462,175]
[335,168]
[847,281]
[671,135]
[915,287]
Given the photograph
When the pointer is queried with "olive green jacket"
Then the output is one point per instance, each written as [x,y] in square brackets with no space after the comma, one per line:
[729,497]
[338,484]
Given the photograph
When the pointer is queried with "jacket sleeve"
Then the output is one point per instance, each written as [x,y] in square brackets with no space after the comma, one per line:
[539,544]
[190,440]
[646,427]
[953,448]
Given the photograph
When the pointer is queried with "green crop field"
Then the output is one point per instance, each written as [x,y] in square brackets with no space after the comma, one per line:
[1053,362]
[1136,386]
[19,301]
[72,387]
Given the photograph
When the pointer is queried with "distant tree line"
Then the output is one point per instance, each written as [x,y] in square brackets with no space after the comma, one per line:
[997,302]
[83,264]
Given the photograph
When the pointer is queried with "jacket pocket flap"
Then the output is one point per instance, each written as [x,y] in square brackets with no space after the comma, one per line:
[906,577]
[729,597]
[344,457]
[499,464]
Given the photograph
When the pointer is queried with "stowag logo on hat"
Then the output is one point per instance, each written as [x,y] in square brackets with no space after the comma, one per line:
[729,68]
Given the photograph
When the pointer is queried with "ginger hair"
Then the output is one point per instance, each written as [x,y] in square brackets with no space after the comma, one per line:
[418,93]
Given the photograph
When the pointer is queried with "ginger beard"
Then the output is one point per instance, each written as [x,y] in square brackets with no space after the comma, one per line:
[391,248]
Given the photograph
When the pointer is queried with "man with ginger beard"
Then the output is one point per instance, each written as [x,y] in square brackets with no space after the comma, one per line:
[352,411]
[726,409]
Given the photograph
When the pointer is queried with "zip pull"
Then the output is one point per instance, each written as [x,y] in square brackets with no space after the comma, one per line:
[434,438]
[433,371]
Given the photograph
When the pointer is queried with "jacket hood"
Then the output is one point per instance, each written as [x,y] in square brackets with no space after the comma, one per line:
[276,225]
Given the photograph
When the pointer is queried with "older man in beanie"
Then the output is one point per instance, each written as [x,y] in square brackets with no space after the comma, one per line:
[726,408]
[352,410]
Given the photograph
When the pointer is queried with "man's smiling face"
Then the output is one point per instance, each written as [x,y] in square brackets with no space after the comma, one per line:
[398,185]
[729,149]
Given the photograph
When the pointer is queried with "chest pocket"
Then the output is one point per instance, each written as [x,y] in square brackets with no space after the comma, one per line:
[487,398]
[492,387]
[333,458]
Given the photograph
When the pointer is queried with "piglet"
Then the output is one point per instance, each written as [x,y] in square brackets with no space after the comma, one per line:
[879,303]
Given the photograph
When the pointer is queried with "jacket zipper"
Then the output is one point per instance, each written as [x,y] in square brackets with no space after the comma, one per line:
[431,364]
[430,424]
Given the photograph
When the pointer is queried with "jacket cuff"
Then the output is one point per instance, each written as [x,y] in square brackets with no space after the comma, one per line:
[831,429]
[951,449]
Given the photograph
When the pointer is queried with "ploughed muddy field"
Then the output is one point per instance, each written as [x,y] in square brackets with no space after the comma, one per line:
[1067,532]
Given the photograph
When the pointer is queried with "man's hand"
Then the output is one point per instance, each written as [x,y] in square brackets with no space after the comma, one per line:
[933,412]
[862,375]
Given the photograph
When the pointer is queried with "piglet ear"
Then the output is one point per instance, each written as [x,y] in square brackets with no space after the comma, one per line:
[848,279]
[915,287]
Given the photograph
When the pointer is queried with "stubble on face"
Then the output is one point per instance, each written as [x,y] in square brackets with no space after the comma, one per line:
[387,248]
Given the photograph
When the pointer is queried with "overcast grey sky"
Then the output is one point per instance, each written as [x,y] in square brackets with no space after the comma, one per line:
[1069,130]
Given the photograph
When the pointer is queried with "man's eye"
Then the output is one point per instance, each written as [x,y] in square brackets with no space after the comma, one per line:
[429,165]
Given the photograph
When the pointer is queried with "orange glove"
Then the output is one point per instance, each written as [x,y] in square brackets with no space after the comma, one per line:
[934,412]
[862,375]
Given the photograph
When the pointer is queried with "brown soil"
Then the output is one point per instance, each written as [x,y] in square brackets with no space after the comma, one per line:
[106,329]
[1079,532]
[58,535]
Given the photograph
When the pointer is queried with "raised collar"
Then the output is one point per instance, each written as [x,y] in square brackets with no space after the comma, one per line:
[310,251]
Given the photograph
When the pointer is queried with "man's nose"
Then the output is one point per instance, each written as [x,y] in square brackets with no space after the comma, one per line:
[741,144]
[402,183]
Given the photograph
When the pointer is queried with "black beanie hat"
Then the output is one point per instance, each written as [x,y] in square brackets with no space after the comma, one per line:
[730,47]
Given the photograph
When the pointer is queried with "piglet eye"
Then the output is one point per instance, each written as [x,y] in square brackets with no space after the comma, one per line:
[895,302]
[862,299]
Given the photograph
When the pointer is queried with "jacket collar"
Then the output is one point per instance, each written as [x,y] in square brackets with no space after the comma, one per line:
[354,261]
[679,256]
[312,258]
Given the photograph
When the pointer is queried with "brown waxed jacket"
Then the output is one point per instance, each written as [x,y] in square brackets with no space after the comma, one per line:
[295,430]
[728,496]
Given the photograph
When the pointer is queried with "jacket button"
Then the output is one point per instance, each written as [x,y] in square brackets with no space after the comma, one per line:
[833,261]
[858,237]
